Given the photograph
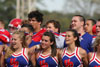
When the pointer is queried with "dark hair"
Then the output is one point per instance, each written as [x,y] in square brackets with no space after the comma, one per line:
[25,22]
[52,39]
[55,23]
[93,21]
[37,15]
[28,26]
[98,20]
[75,34]
[81,18]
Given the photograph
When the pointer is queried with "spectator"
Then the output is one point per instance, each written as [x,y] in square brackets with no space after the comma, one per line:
[28,29]
[78,23]
[14,25]
[73,55]
[54,26]
[89,26]
[35,19]
[48,55]
[17,54]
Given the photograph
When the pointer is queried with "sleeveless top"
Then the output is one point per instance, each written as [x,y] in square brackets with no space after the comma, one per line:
[94,61]
[47,60]
[71,59]
[18,60]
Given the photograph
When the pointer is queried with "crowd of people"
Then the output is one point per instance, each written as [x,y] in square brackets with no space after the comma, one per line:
[27,44]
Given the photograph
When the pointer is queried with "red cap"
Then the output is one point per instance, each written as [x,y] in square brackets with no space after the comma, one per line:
[15,23]
[4,36]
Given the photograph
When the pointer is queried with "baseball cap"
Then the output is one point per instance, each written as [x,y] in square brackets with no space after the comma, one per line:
[15,23]
[4,36]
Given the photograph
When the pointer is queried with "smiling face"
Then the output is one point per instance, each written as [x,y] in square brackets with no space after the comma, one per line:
[46,43]
[77,23]
[69,38]
[16,41]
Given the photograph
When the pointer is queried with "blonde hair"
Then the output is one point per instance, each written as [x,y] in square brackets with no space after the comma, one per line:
[96,43]
[21,36]
[10,49]
[8,52]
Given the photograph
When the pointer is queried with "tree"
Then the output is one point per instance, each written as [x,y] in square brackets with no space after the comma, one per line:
[7,10]
[88,7]
[23,7]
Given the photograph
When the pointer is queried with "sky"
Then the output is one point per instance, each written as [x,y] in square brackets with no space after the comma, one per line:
[51,5]
[72,6]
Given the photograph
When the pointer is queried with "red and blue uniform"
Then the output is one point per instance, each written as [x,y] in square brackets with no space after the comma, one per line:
[71,59]
[18,60]
[46,61]
[37,36]
[94,61]
[85,42]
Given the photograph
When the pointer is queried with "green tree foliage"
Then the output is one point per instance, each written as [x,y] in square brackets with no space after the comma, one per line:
[63,19]
[7,10]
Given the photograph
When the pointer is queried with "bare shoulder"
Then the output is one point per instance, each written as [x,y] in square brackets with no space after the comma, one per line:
[82,52]
[90,54]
